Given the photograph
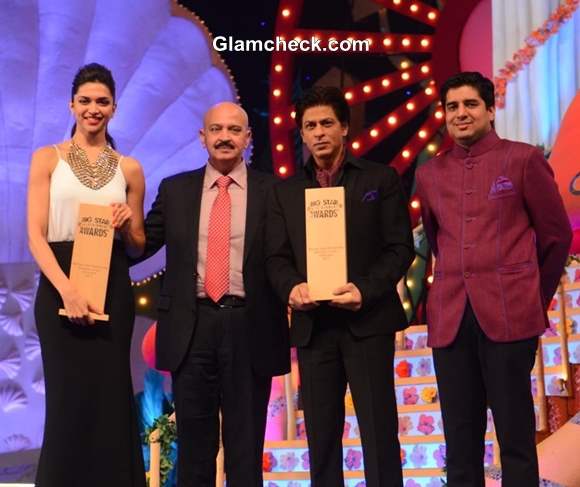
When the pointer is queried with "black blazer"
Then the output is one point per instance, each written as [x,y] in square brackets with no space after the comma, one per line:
[379,245]
[174,221]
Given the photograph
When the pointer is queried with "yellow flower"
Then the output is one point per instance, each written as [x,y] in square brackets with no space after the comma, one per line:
[429,394]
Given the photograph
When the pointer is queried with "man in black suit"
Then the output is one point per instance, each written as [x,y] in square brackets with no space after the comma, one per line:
[221,330]
[350,338]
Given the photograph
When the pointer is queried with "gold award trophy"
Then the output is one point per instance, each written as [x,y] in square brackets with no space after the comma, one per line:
[325,241]
[91,257]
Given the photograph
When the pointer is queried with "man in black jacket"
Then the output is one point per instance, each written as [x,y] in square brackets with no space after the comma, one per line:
[221,331]
[350,338]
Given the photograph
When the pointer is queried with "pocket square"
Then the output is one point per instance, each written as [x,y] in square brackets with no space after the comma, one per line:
[371,195]
[502,186]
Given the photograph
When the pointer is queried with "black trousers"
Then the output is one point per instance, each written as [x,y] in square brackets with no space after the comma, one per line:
[471,373]
[332,358]
[217,374]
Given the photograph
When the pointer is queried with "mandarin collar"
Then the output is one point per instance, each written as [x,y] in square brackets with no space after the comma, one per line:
[483,145]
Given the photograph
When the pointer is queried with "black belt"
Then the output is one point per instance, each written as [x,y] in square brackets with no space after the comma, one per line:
[225,302]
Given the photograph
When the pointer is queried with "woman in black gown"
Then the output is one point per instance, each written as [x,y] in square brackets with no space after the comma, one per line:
[91,436]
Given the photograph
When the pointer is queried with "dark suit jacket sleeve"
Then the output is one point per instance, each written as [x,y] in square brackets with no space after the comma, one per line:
[155,223]
[397,248]
[430,226]
[549,219]
[280,265]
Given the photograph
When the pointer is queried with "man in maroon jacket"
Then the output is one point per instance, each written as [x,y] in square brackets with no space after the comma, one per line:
[497,226]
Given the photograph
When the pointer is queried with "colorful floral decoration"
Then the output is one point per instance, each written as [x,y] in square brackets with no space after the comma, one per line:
[419,456]
[269,461]
[352,460]
[289,461]
[405,425]
[412,483]
[488,455]
[410,396]
[346,429]
[301,431]
[426,425]
[440,456]
[403,457]
[305,460]
[522,57]
[429,394]
[557,356]
[404,369]
[421,342]
[435,482]
[424,367]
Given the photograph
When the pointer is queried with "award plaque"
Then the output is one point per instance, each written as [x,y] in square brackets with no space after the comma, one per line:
[325,241]
[91,257]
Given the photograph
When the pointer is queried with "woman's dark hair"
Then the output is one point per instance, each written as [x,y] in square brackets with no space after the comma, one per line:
[480,83]
[323,96]
[94,73]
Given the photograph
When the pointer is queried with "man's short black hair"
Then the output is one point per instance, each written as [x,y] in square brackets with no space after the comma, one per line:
[483,85]
[323,96]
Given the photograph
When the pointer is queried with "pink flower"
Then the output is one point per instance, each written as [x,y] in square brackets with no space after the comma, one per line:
[405,425]
[424,367]
[558,356]
[421,342]
[352,461]
[346,430]
[426,424]
[410,395]
[488,455]
[412,483]
[408,343]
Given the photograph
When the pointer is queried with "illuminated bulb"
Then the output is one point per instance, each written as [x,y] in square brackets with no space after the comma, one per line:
[286,12]
[143,301]
[367,88]
[387,41]
[406,305]
[297,38]
[374,132]
[279,147]
[410,283]
[370,41]
[424,69]
[406,42]
[348,95]
[405,76]
[424,42]
[282,170]
[406,153]
[392,120]
[414,7]
[428,91]
[278,68]
[431,15]
[410,106]
[430,279]
[415,204]
[422,134]
[397,2]
[438,114]
[356,145]
[431,147]
[277,92]
[385,82]
[277,120]
[404,64]
[293,114]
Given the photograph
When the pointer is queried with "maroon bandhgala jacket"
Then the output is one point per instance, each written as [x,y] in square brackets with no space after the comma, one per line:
[496,223]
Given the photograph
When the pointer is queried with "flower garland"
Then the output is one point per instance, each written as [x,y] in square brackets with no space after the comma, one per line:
[524,56]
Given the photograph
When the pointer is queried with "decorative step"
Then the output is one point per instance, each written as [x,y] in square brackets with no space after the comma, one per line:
[416,453]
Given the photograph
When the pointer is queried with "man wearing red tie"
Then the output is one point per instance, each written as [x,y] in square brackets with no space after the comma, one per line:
[221,330]
[497,226]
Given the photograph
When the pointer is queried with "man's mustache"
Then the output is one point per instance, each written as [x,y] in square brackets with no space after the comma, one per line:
[225,143]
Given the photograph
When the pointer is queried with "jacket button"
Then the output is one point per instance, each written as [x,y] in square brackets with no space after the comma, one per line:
[467,275]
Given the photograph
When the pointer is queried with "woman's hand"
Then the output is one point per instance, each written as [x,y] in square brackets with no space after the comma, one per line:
[122,215]
[77,307]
